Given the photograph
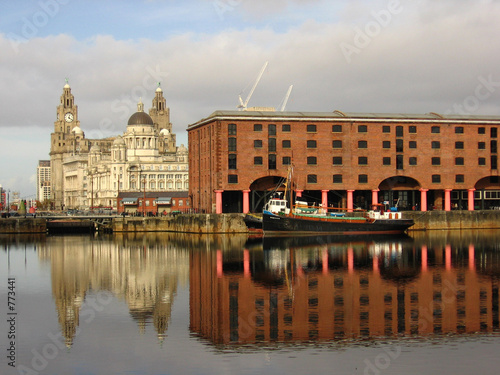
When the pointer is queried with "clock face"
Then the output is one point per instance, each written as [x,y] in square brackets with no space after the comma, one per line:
[68,117]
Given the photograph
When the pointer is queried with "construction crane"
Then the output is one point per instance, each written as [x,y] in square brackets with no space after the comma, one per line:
[285,100]
[243,104]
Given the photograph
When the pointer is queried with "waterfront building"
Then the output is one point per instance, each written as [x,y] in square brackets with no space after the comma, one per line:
[3,198]
[43,180]
[348,160]
[153,203]
[89,173]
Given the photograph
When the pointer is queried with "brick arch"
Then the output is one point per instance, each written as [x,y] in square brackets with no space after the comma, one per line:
[399,183]
[266,183]
[489,182]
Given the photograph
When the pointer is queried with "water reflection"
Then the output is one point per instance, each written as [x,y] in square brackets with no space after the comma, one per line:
[309,289]
[261,291]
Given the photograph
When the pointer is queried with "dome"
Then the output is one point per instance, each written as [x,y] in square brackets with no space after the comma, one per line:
[164,132]
[95,148]
[77,130]
[140,118]
[119,141]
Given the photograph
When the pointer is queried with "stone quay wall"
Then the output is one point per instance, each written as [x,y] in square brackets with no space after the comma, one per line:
[234,223]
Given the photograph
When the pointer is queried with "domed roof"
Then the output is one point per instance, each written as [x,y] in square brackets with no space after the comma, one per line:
[95,148]
[119,141]
[164,132]
[140,118]
[77,130]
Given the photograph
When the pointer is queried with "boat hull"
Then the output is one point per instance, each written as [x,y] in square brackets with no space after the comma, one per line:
[297,224]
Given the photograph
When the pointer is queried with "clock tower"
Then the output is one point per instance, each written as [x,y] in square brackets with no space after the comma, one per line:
[61,142]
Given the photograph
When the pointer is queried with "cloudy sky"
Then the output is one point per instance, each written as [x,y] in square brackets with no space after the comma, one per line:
[391,56]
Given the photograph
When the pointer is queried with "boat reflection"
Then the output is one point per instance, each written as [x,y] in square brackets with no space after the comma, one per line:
[309,289]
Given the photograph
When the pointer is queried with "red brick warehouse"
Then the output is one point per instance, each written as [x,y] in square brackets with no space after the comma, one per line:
[345,160]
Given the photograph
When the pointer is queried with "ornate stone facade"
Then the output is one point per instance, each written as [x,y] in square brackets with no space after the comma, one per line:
[91,172]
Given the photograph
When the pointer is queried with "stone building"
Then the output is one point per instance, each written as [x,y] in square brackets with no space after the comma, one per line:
[92,172]
[344,160]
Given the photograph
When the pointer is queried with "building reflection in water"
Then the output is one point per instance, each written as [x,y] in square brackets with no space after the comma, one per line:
[324,288]
[144,271]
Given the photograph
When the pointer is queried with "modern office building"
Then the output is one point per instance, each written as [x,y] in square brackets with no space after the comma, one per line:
[348,160]
[92,172]
[43,180]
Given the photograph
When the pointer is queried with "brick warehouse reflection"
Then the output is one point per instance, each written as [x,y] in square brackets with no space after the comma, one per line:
[306,290]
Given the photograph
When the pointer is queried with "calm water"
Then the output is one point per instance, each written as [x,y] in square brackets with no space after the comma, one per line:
[189,304]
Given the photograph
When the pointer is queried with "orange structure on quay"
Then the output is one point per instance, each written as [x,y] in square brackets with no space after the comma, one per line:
[347,160]
[336,291]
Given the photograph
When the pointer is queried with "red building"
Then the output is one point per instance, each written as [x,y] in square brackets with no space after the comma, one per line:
[345,160]
[153,203]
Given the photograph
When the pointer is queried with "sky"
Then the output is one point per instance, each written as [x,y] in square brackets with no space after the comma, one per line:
[391,56]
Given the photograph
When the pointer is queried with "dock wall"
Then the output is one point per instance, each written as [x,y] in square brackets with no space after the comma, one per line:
[234,223]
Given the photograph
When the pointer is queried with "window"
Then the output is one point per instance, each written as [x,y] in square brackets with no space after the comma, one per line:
[481,130]
[481,161]
[459,130]
[311,144]
[312,179]
[412,144]
[494,162]
[231,129]
[386,144]
[231,144]
[257,127]
[337,128]
[493,132]
[286,144]
[285,128]
[337,144]
[435,129]
[362,160]
[493,147]
[436,144]
[399,131]
[272,145]
[399,145]
[362,144]
[386,129]
[436,178]
[363,178]
[412,129]
[257,160]
[272,161]
[311,128]
[337,178]
[362,129]
[337,160]
[386,161]
[459,145]
[271,129]
[231,164]
[412,161]
[312,160]
[459,161]
[436,161]
[257,143]
[232,179]
[459,178]
[481,145]
[287,160]
[399,162]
